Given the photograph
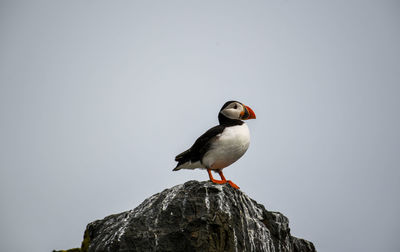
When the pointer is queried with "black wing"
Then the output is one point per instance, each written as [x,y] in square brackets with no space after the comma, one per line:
[200,147]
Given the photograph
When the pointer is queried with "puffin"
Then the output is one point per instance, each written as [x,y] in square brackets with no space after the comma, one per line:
[221,145]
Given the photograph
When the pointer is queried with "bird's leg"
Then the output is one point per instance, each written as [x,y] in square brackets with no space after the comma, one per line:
[214,180]
[229,181]
[221,175]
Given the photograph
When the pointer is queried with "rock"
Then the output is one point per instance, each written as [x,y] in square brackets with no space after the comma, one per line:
[195,216]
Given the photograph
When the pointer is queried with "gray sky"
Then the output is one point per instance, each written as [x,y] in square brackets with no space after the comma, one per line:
[97,98]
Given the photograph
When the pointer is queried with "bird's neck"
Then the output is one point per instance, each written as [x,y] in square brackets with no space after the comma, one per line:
[223,120]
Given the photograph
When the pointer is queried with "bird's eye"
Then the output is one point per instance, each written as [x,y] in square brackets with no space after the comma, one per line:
[235,107]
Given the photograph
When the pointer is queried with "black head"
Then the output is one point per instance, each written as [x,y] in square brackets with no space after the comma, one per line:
[232,112]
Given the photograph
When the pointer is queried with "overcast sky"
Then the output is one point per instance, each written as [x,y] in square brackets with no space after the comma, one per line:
[97,98]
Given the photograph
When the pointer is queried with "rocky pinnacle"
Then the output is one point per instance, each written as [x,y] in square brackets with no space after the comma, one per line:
[195,216]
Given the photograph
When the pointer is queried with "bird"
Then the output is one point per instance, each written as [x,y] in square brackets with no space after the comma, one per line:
[221,145]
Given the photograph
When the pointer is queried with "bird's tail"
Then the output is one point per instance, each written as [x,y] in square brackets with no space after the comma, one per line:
[183,160]
[177,168]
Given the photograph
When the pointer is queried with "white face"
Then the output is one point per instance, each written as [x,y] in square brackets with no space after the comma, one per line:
[233,110]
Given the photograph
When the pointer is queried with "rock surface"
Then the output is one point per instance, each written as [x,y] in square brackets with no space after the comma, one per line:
[195,216]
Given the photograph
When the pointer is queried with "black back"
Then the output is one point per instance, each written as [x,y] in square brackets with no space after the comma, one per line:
[200,147]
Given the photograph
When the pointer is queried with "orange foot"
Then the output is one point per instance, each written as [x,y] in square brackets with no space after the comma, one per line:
[233,184]
[223,179]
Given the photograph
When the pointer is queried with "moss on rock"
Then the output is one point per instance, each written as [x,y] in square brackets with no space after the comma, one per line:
[84,247]
[69,250]
[86,241]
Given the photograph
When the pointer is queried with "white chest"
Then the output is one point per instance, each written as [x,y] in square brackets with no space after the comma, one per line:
[229,146]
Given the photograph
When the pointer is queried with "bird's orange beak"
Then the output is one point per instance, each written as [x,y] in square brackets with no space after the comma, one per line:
[248,113]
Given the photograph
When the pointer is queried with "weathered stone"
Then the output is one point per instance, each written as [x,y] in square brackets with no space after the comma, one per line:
[195,216]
